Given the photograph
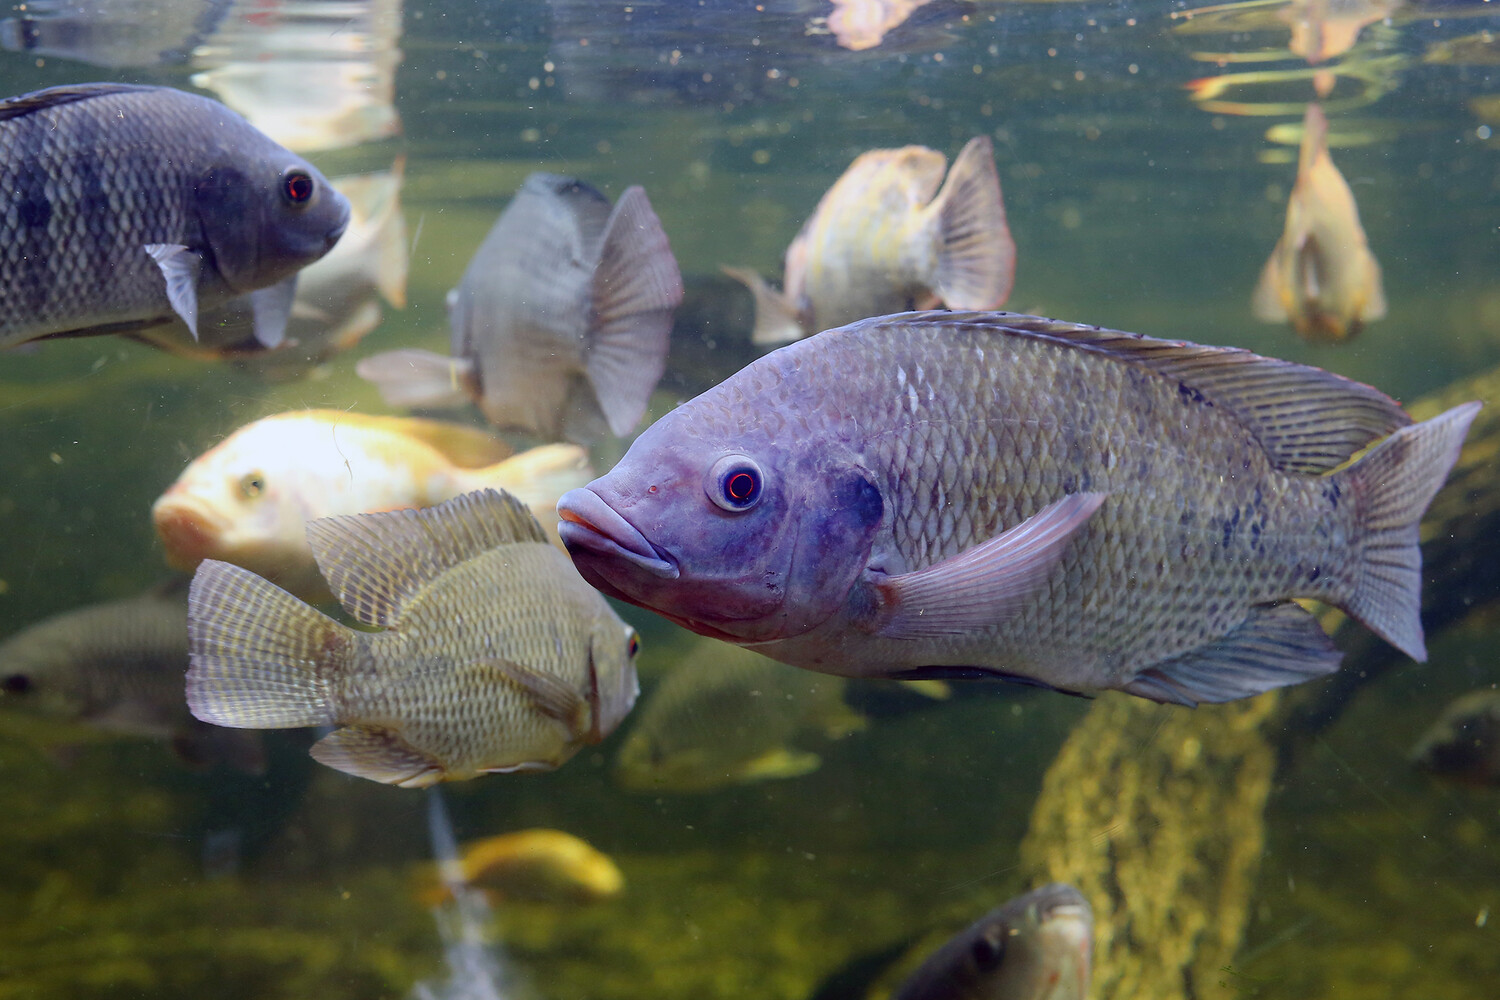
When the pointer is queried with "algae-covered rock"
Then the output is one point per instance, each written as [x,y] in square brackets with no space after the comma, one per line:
[1156,814]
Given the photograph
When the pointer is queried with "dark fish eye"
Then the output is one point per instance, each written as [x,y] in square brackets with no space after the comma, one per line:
[987,951]
[252,485]
[16,684]
[635,646]
[296,185]
[734,483]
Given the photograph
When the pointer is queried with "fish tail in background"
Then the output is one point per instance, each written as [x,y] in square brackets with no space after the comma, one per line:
[258,657]
[776,320]
[636,288]
[976,256]
[1393,485]
[536,477]
[412,377]
[394,264]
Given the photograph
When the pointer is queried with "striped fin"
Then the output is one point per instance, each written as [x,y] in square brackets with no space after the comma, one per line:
[258,657]
[52,97]
[378,754]
[1308,420]
[375,562]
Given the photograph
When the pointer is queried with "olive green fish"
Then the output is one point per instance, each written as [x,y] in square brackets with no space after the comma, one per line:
[1464,743]
[726,716]
[952,495]
[493,654]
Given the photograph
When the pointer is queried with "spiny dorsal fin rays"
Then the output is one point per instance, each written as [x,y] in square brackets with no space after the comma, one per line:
[375,562]
[1307,420]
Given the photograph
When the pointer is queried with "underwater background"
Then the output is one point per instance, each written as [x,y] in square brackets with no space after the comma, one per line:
[1282,847]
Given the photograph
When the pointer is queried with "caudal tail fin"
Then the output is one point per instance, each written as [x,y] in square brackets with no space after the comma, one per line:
[1394,483]
[258,657]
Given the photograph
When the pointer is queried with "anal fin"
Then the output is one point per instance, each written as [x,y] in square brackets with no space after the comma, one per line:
[378,754]
[1276,645]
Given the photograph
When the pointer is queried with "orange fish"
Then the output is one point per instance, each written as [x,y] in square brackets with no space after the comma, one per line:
[248,499]
[1322,29]
[862,24]
[1322,277]
[540,866]
[885,239]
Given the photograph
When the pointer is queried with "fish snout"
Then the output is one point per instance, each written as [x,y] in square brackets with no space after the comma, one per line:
[590,525]
[189,533]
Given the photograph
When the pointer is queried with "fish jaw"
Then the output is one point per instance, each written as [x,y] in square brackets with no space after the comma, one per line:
[191,532]
[591,526]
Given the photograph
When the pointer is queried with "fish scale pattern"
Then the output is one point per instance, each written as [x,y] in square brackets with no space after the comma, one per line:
[978,429]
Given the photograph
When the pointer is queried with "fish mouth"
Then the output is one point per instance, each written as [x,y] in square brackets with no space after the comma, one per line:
[590,525]
[189,532]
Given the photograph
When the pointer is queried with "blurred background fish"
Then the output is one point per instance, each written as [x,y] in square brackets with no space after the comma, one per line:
[1463,745]
[492,654]
[725,716]
[560,325]
[113,670]
[534,866]
[248,499]
[1037,946]
[114,33]
[1321,277]
[885,239]
[338,296]
[108,236]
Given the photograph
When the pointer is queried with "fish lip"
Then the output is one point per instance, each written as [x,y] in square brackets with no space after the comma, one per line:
[589,524]
[188,530]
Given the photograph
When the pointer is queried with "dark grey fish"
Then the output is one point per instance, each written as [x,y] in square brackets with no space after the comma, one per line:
[561,322]
[107,234]
[1464,743]
[114,32]
[1038,946]
[113,669]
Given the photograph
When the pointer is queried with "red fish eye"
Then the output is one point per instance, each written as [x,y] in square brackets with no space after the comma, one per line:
[297,186]
[741,486]
[635,646]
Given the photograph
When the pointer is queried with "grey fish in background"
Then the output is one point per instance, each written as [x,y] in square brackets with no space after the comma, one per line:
[493,654]
[113,669]
[959,495]
[1038,946]
[561,322]
[884,238]
[338,296]
[105,234]
[115,33]
[726,716]
[1464,743]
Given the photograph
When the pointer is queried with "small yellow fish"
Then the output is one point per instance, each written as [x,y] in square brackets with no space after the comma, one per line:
[862,24]
[880,242]
[491,654]
[1322,277]
[247,499]
[726,716]
[540,866]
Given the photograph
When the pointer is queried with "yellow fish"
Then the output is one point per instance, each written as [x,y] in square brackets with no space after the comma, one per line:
[490,652]
[247,499]
[539,866]
[862,24]
[881,242]
[1322,277]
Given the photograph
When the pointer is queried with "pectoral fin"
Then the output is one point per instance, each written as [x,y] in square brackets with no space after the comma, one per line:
[180,267]
[551,696]
[984,585]
[272,308]
[781,762]
[776,318]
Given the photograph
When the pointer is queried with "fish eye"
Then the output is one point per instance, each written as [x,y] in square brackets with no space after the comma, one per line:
[252,484]
[635,645]
[734,483]
[296,185]
[987,951]
[15,684]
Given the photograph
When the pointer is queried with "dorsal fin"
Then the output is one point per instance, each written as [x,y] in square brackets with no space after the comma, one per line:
[1308,420]
[375,562]
[466,447]
[52,97]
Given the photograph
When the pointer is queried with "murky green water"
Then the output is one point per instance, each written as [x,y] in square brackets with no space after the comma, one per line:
[1131,206]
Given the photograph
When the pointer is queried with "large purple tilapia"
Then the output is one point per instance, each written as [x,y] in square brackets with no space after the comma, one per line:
[972,494]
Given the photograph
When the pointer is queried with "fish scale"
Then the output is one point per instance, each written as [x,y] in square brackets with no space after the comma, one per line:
[986,493]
